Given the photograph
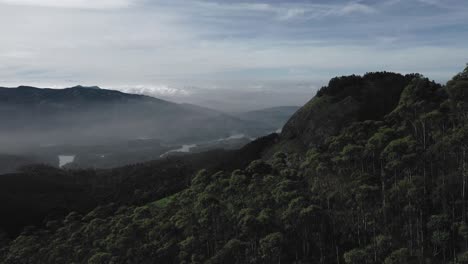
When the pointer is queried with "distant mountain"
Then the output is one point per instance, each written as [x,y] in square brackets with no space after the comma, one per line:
[88,115]
[10,163]
[89,87]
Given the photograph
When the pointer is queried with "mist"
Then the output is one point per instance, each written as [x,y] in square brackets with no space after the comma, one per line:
[114,128]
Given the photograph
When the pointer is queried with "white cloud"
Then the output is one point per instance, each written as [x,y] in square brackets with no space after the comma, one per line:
[154,90]
[84,4]
[290,10]
[254,7]
[430,2]
[323,10]
[233,6]
[292,13]
[356,8]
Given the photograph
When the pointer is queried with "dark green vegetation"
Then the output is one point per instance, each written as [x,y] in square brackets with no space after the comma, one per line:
[40,193]
[366,179]
[345,100]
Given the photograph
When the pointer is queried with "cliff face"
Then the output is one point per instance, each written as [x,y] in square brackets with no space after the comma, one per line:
[319,118]
[345,100]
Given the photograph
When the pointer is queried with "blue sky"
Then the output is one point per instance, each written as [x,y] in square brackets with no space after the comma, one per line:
[269,52]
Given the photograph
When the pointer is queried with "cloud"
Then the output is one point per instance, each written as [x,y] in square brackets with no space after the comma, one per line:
[293,13]
[154,90]
[356,8]
[429,2]
[169,45]
[290,10]
[83,4]
[445,4]
[454,5]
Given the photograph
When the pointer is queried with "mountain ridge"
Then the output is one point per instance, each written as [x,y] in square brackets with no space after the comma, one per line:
[344,100]
[111,112]
[45,121]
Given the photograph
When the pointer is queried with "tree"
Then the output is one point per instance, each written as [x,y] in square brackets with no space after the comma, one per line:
[270,247]
[355,256]
[400,256]
[100,258]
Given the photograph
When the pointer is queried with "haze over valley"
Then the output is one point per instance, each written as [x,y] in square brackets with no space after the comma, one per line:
[105,128]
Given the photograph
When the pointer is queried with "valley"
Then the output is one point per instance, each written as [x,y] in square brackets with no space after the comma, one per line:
[104,128]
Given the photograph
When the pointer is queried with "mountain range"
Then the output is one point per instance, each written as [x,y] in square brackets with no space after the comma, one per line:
[82,115]
[102,125]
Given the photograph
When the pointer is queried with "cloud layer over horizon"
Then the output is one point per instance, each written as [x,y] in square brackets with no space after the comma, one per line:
[226,47]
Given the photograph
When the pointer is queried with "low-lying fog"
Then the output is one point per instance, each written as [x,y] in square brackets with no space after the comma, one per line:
[104,128]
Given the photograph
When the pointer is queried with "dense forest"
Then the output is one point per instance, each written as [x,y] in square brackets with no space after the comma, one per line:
[372,170]
[40,193]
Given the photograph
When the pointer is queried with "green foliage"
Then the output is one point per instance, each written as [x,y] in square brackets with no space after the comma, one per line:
[355,256]
[100,258]
[463,258]
[400,256]
[164,201]
[270,247]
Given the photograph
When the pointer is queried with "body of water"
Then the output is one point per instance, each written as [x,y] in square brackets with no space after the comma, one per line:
[183,149]
[65,159]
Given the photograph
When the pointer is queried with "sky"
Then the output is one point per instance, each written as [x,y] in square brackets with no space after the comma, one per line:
[230,55]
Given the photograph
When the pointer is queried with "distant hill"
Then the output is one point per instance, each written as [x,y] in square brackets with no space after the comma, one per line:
[88,115]
[10,163]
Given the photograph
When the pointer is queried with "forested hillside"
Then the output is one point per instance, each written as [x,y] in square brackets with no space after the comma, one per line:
[386,183]
[41,193]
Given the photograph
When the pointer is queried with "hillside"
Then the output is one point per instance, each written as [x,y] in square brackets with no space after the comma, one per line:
[40,193]
[345,100]
[375,180]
